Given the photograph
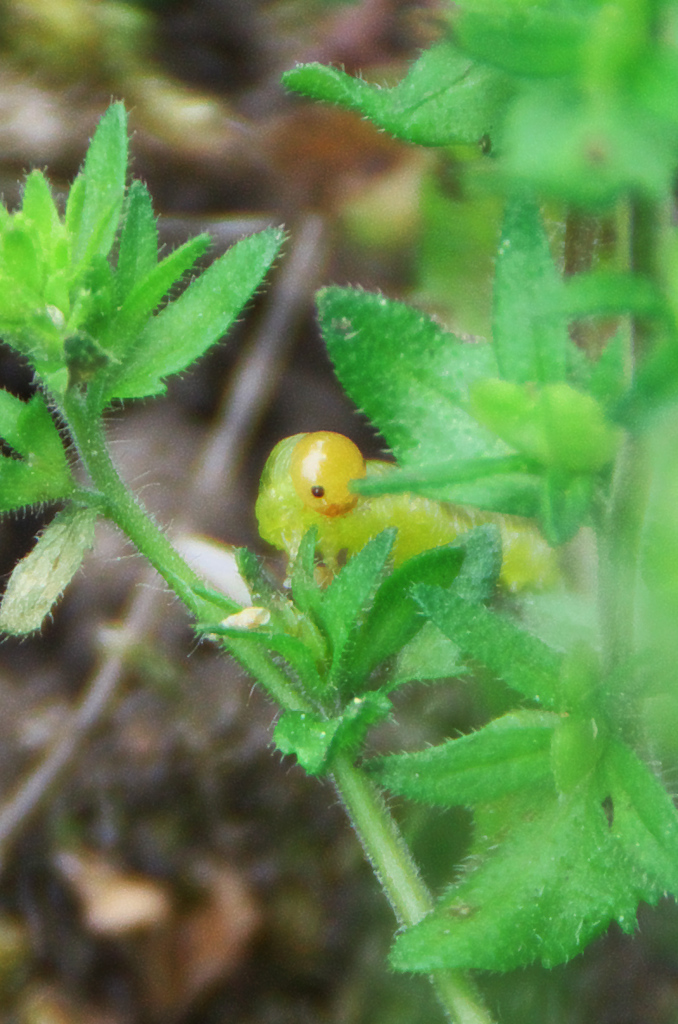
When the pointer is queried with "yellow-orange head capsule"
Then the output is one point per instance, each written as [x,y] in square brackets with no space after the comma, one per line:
[321,466]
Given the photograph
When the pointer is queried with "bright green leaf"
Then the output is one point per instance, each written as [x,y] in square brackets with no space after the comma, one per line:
[138,250]
[554,425]
[444,98]
[347,600]
[589,151]
[529,329]
[409,375]
[395,617]
[611,293]
[565,504]
[39,211]
[528,41]
[122,330]
[42,473]
[315,741]
[525,663]
[645,820]
[501,484]
[542,893]
[186,328]
[428,656]
[509,754]
[576,748]
[95,214]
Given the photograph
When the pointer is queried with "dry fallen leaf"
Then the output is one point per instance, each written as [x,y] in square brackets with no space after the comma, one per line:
[114,902]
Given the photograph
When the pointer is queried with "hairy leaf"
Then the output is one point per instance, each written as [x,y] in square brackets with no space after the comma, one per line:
[187,327]
[444,98]
[509,754]
[39,579]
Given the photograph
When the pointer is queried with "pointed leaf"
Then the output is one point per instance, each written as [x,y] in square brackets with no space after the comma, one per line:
[502,484]
[552,885]
[645,820]
[138,252]
[509,754]
[444,97]
[395,617]
[123,329]
[408,375]
[315,741]
[429,656]
[39,210]
[518,657]
[347,600]
[186,328]
[96,214]
[565,505]
[42,474]
[529,329]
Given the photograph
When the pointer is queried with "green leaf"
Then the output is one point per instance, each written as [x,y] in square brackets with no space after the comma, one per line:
[554,425]
[587,149]
[576,748]
[501,485]
[315,741]
[186,328]
[122,330]
[550,886]
[42,473]
[295,652]
[306,593]
[509,754]
[482,563]
[347,600]
[395,616]
[430,655]
[528,41]
[525,663]
[138,251]
[645,821]
[566,500]
[548,874]
[21,262]
[529,329]
[444,98]
[94,213]
[39,211]
[611,293]
[408,375]
[39,579]
[306,736]
[654,388]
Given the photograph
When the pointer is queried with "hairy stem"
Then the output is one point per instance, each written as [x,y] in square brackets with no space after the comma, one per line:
[114,500]
[397,872]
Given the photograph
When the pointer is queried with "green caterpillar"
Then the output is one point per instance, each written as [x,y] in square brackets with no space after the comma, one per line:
[305,483]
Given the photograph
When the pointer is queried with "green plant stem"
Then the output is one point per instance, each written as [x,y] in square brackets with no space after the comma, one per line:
[397,872]
[115,501]
[618,553]
[620,529]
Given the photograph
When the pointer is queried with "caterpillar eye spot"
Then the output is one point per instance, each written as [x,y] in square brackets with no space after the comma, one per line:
[318,492]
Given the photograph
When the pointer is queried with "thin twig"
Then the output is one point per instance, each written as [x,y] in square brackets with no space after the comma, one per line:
[19,808]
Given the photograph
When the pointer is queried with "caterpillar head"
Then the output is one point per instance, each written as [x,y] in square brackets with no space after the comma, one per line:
[321,466]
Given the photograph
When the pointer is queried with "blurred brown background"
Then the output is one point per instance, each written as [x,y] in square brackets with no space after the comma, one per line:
[160,860]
